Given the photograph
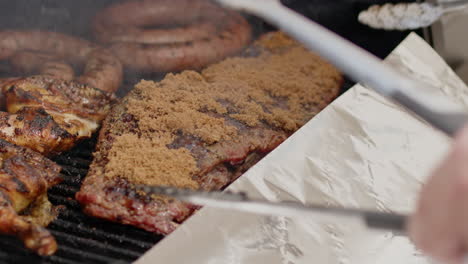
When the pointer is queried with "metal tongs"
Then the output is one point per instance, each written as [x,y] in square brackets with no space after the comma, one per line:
[364,68]
[241,202]
[408,16]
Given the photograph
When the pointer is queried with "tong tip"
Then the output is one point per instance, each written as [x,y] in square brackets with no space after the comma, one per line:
[184,194]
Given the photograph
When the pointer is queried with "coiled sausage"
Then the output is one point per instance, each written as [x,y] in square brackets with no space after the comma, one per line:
[190,34]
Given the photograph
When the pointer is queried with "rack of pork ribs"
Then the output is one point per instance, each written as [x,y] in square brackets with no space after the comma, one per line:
[202,130]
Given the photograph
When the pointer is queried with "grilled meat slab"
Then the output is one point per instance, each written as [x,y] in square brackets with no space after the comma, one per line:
[202,130]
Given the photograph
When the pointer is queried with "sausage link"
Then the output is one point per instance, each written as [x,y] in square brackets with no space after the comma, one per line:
[62,48]
[184,40]
[27,62]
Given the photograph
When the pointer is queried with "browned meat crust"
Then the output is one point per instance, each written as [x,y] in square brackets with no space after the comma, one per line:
[202,130]
[50,115]
[201,33]
[25,177]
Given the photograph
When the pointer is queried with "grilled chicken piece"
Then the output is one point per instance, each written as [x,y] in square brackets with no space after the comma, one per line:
[50,115]
[25,176]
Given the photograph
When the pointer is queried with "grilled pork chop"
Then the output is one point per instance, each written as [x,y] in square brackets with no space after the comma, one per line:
[202,130]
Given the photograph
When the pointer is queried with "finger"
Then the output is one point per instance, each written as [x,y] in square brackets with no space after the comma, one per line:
[431,227]
[443,248]
[462,134]
[460,189]
[438,225]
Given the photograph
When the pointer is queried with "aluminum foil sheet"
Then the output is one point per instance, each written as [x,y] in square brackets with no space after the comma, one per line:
[362,151]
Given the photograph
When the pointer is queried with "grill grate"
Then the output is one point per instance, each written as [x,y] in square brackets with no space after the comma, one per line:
[81,239]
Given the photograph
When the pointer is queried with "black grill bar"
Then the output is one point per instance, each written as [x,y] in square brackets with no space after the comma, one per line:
[81,229]
[71,171]
[60,260]
[89,256]
[87,243]
[60,200]
[76,162]
[65,190]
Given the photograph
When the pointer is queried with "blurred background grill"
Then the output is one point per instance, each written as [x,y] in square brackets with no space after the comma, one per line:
[83,239]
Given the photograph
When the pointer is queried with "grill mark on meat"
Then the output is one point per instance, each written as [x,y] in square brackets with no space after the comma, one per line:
[195,145]
[230,108]
[4,197]
[123,188]
[20,186]
[279,102]
[40,122]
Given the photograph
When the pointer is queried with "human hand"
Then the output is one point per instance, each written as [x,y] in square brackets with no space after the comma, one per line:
[439,227]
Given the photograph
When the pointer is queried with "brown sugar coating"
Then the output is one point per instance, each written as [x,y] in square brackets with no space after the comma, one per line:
[202,130]
[181,103]
[191,103]
[152,163]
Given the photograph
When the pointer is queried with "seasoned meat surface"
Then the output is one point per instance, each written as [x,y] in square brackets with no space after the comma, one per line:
[49,115]
[25,177]
[203,130]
